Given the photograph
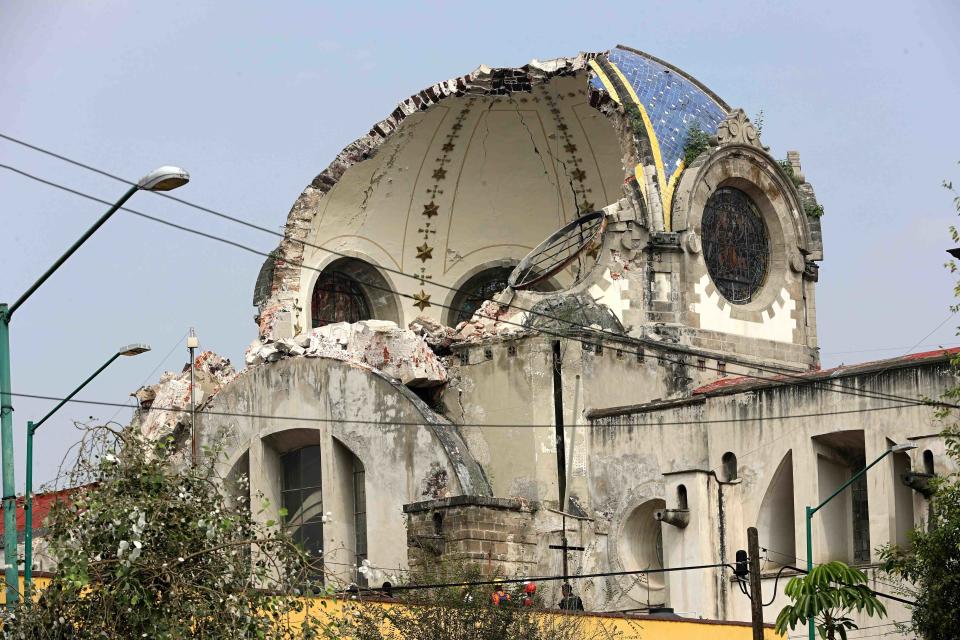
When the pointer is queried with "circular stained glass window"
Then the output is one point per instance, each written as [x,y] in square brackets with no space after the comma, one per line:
[735,244]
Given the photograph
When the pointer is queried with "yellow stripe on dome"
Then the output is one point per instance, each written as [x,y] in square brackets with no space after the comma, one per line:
[654,143]
[668,195]
[606,81]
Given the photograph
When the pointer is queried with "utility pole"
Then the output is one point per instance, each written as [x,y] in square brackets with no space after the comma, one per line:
[192,343]
[756,597]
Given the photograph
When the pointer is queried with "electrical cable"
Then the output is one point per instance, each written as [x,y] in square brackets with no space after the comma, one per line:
[257,227]
[397,423]
[791,558]
[604,574]
[830,386]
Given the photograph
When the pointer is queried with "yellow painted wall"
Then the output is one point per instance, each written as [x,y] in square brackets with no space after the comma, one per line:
[630,627]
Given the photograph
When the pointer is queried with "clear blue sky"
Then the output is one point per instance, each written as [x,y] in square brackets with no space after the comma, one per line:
[255,98]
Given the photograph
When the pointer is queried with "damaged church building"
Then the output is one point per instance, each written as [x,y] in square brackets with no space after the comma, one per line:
[569,304]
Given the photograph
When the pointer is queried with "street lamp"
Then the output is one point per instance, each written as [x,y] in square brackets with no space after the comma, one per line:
[897,448]
[129,350]
[162,179]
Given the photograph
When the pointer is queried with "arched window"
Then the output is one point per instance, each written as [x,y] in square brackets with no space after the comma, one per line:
[302,498]
[351,290]
[681,497]
[474,291]
[735,244]
[729,463]
[928,462]
[337,297]
[775,520]
[481,287]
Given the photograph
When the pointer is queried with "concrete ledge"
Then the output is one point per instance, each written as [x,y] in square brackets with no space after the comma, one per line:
[512,504]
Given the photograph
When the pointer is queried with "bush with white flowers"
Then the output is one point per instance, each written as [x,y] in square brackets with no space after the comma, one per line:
[150,549]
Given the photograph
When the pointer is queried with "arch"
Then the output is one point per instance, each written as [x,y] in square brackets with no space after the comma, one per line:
[641,541]
[775,522]
[301,496]
[350,290]
[682,497]
[902,501]
[729,464]
[482,283]
[928,464]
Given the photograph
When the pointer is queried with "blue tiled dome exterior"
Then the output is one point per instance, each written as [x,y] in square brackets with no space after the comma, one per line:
[672,102]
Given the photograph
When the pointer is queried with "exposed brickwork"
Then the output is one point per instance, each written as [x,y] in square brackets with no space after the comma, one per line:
[495,534]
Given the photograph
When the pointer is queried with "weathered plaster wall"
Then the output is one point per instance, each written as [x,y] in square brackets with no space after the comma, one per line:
[409,453]
[764,426]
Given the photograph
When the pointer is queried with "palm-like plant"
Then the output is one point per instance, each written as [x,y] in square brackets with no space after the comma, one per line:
[828,594]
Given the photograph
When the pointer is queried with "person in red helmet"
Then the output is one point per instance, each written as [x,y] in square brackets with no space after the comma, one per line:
[529,590]
[499,596]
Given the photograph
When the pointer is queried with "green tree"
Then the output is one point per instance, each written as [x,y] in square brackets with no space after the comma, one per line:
[152,548]
[828,594]
[929,568]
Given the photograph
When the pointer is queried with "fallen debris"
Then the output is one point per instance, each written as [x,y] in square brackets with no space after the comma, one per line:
[399,353]
[171,396]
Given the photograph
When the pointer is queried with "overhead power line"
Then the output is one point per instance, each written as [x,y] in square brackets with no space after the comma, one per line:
[583,576]
[252,225]
[791,378]
[397,423]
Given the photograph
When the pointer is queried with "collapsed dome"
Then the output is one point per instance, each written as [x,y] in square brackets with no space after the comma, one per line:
[464,178]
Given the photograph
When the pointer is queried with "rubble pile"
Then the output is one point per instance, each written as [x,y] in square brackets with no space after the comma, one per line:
[380,344]
[438,337]
[492,319]
[165,406]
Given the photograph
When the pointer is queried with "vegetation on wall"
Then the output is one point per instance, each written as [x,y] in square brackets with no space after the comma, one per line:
[813,209]
[788,169]
[697,142]
[929,567]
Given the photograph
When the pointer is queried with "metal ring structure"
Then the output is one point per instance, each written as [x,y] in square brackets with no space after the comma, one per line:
[559,250]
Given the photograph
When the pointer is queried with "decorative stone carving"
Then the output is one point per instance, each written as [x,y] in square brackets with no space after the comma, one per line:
[737,129]
[693,242]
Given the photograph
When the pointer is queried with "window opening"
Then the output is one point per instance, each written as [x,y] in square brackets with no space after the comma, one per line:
[735,244]
[729,462]
[928,462]
[360,515]
[861,520]
[338,297]
[301,495]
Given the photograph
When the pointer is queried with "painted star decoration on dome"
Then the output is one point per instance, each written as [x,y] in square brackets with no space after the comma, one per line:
[424,252]
[422,300]
[430,210]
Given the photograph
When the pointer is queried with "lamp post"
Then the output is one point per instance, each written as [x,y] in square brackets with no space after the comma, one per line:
[129,350]
[162,179]
[897,448]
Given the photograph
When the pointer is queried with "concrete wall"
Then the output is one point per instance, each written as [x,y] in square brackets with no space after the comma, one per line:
[780,434]
[409,453]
